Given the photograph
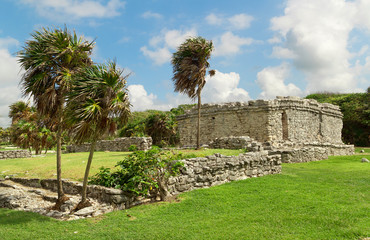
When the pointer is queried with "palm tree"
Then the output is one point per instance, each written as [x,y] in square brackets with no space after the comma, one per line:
[97,103]
[190,64]
[19,110]
[50,59]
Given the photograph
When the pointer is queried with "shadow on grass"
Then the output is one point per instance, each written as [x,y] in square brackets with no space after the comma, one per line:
[13,217]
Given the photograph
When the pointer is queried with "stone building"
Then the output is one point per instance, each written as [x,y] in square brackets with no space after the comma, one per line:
[301,128]
[283,119]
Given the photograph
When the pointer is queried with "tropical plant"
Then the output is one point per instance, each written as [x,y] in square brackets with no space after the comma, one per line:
[20,110]
[28,129]
[190,64]
[142,173]
[97,103]
[161,126]
[4,136]
[50,59]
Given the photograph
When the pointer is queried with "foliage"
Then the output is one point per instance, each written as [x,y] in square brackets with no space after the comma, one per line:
[50,59]
[356,115]
[142,173]
[161,126]
[97,102]
[28,130]
[189,65]
[4,136]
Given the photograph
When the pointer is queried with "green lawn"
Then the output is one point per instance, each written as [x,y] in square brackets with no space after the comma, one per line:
[328,199]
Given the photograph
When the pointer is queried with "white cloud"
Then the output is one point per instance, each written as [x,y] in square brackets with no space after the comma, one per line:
[223,87]
[141,100]
[8,42]
[240,21]
[229,44]
[235,22]
[151,15]
[72,10]
[315,35]
[213,19]
[271,80]
[280,52]
[163,43]
[159,56]
[9,79]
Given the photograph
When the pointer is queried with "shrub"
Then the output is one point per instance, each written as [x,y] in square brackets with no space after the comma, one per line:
[143,173]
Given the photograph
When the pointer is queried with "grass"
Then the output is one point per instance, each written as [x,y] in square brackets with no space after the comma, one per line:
[328,199]
[74,164]
[366,150]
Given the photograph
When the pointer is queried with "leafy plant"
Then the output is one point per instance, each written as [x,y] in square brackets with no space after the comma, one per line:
[160,126]
[143,173]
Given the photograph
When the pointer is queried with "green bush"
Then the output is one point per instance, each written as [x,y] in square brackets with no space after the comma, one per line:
[159,125]
[143,173]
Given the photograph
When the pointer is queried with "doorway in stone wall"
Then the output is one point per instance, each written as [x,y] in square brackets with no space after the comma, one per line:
[284,121]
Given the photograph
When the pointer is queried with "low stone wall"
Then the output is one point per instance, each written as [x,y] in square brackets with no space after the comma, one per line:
[116,145]
[241,142]
[15,154]
[338,150]
[306,154]
[116,197]
[290,151]
[217,169]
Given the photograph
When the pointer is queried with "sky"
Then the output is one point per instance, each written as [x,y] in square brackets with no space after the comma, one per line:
[263,49]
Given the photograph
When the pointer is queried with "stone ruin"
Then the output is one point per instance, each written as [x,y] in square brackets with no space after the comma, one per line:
[15,154]
[287,129]
[299,129]
[117,145]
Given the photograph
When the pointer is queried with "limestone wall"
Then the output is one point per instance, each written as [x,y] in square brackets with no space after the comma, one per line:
[116,145]
[282,119]
[116,197]
[15,154]
[306,154]
[218,169]
[290,151]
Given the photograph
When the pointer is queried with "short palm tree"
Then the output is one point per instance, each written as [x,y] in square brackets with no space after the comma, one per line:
[190,64]
[97,103]
[50,59]
[19,110]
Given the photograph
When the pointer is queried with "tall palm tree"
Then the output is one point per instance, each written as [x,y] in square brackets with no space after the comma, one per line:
[190,64]
[97,103]
[50,59]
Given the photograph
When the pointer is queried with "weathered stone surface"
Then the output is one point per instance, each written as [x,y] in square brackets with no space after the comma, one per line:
[15,154]
[217,169]
[283,119]
[116,145]
[14,195]
[85,211]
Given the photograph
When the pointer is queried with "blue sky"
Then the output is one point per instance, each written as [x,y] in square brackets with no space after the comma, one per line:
[263,48]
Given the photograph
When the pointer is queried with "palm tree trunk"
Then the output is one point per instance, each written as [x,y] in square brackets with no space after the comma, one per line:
[87,170]
[198,129]
[59,165]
